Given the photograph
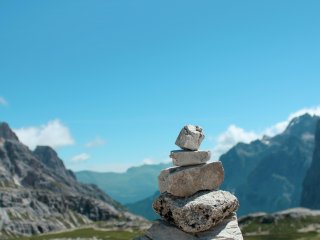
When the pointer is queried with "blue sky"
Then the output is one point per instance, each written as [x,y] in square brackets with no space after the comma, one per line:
[125,76]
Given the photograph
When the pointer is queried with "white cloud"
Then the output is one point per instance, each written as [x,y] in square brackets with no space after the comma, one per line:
[106,167]
[235,134]
[276,128]
[53,134]
[80,158]
[150,161]
[312,111]
[95,142]
[281,126]
[229,138]
[3,101]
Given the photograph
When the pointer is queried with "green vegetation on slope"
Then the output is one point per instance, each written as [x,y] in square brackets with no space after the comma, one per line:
[86,233]
[283,228]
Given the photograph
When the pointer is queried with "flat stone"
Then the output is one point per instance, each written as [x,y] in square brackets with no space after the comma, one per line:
[227,229]
[186,181]
[186,158]
[198,213]
[190,137]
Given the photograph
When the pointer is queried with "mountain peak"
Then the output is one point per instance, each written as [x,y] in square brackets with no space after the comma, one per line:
[46,150]
[299,119]
[40,178]
[302,124]
[6,132]
[49,157]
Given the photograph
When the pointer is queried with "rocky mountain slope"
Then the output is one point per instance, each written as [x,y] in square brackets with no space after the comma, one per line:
[311,188]
[127,187]
[267,174]
[38,194]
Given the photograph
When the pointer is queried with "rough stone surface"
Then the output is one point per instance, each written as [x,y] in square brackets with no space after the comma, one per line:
[6,132]
[226,229]
[38,194]
[197,213]
[186,158]
[190,137]
[185,181]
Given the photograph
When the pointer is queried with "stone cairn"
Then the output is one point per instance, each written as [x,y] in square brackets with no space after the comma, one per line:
[190,204]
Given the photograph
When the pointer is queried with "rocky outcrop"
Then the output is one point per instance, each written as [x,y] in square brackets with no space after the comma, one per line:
[38,194]
[50,159]
[190,201]
[6,132]
[27,212]
[311,188]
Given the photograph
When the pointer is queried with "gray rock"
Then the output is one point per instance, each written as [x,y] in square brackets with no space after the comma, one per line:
[198,213]
[38,194]
[6,132]
[142,238]
[190,137]
[292,213]
[185,181]
[186,158]
[227,229]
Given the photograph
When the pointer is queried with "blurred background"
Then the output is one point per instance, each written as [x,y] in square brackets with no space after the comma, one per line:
[108,85]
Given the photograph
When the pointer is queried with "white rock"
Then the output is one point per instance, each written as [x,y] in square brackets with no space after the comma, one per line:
[190,137]
[186,157]
[185,181]
[198,213]
[228,229]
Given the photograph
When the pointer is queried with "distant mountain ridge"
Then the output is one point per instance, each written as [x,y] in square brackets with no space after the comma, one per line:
[128,187]
[38,194]
[267,174]
[143,207]
[270,177]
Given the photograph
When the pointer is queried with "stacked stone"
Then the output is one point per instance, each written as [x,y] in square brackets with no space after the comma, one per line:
[190,203]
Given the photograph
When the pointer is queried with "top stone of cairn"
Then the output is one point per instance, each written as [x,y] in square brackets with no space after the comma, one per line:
[190,137]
